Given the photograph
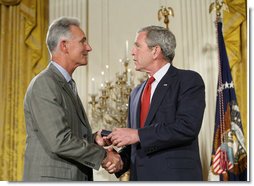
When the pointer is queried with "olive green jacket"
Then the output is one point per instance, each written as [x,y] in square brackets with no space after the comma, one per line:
[59,143]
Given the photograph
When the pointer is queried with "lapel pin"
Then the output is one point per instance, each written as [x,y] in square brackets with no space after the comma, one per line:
[165,85]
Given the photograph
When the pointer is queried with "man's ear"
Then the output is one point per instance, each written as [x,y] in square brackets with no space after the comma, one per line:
[156,51]
[63,46]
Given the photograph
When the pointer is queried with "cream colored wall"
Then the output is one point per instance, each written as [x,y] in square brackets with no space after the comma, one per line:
[109,23]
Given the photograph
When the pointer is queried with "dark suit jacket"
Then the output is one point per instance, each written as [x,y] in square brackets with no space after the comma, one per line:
[168,148]
[59,143]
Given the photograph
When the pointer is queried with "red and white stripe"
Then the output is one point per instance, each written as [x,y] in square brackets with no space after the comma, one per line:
[219,160]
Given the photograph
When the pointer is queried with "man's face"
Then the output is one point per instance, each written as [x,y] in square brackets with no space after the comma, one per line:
[142,55]
[78,47]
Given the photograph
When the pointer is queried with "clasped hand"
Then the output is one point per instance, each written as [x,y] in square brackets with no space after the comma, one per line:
[113,162]
[119,137]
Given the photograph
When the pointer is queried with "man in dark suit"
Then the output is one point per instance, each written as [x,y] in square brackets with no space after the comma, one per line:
[166,147]
[60,145]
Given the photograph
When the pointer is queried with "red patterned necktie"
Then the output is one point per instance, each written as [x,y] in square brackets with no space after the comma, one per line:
[145,101]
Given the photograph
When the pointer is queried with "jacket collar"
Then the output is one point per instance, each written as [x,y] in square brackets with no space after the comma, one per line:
[160,92]
[76,100]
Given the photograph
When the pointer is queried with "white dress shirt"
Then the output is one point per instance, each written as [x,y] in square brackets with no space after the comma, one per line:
[158,76]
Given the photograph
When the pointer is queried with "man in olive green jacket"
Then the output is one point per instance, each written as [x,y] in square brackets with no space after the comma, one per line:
[60,145]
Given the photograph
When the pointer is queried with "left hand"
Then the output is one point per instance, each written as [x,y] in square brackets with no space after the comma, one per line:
[101,140]
[123,136]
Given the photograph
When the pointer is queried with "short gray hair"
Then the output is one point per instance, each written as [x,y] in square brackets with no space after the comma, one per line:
[58,29]
[163,37]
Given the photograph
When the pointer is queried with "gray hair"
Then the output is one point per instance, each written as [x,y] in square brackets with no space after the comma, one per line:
[60,28]
[163,37]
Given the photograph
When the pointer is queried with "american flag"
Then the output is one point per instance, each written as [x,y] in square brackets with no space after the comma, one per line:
[229,156]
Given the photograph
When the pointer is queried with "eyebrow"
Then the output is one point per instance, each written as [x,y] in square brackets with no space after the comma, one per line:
[137,44]
[83,39]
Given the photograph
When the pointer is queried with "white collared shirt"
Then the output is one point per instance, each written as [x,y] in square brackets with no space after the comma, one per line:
[62,71]
[158,76]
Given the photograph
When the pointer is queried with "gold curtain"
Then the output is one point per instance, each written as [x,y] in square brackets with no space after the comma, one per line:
[235,35]
[23,53]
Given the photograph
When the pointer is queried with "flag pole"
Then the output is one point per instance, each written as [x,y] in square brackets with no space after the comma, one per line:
[229,156]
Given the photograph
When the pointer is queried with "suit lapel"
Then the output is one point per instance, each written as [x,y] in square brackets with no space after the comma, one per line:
[160,93]
[136,107]
[67,89]
[83,113]
[76,101]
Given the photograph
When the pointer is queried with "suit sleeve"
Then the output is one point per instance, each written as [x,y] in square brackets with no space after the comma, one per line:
[184,129]
[53,129]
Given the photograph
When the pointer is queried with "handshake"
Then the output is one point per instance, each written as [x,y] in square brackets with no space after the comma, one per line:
[119,138]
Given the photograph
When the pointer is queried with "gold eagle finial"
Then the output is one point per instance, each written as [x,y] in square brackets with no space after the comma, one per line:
[165,12]
[217,6]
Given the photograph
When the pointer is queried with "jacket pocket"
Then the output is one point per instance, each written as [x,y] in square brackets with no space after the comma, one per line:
[57,173]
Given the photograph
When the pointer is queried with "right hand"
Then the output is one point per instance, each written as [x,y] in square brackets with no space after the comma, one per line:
[113,162]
